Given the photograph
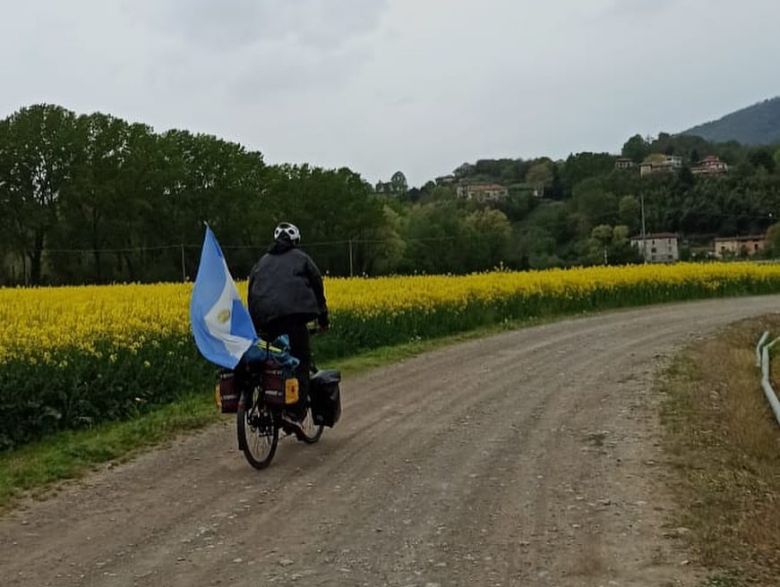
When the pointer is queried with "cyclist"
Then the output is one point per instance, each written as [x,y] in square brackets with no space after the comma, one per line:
[285,294]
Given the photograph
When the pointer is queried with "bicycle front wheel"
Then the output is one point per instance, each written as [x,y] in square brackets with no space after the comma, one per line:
[310,432]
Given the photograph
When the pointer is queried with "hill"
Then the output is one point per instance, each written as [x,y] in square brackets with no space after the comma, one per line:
[756,125]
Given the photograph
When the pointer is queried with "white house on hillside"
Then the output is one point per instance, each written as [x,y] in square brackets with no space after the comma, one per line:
[658,248]
[483,192]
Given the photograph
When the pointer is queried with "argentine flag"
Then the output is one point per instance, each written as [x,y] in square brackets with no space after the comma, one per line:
[221,324]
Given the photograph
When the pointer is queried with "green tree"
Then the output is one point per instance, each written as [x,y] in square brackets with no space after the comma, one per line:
[621,251]
[39,147]
[385,254]
[331,207]
[611,246]
[762,157]
[592,200]
[685,178]
[518,205]
[399,183]
[215,181]
[629,212]
[636,149]
[600,241]
[441,193]
[534,247]
[98,202]
[582,166]
[540,177]
[435,239]
[621,233]
[488,233]
[773,239]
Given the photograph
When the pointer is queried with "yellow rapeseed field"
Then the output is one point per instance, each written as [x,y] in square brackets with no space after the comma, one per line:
[73,356]
[33,321]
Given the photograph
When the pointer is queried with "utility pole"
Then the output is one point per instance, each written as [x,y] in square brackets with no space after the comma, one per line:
[351,264]
[644,233]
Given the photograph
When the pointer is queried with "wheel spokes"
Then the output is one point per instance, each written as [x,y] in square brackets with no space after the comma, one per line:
[308,425]
[261,428]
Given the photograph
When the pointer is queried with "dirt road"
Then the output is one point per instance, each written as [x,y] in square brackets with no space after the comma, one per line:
[530,458]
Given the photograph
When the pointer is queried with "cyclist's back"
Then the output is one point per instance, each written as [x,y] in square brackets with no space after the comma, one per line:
[285,293]
[285,282]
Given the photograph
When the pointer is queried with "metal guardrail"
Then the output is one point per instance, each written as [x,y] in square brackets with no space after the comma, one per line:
[761,342]
[762,354]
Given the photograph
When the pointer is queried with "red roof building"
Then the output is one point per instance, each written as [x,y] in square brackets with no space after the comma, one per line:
[711,165]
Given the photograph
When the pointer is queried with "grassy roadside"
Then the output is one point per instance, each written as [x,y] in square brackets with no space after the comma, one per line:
[724,446]
[35,468]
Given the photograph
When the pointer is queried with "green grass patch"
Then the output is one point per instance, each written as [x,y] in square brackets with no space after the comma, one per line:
[68,455]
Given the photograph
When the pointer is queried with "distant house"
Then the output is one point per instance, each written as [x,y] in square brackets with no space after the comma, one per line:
[658,163]
[658,248]
[675,161]
[711,165]
[624,163]
[739,246]
[482,192]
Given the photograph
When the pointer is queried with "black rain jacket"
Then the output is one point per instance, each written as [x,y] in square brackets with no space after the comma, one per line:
[285,282]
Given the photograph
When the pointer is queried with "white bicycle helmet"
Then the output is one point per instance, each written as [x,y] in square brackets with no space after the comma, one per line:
[288,229]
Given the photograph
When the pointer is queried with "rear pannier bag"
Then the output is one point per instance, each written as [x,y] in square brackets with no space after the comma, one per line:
[227,392]
[280,385]
[326,397]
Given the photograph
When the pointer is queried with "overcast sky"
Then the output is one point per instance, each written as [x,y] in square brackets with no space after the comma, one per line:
[382,85]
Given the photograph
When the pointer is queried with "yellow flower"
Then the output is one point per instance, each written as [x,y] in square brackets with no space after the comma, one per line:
[38,324]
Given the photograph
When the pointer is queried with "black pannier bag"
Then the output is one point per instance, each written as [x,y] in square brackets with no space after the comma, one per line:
[325,397]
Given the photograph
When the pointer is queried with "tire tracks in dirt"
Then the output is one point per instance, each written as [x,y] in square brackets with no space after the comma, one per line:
[528,458]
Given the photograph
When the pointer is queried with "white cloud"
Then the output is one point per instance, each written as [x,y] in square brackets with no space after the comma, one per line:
[380,85]
[231,24]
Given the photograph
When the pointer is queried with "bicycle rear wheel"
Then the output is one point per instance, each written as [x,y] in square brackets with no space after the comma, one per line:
[258,434]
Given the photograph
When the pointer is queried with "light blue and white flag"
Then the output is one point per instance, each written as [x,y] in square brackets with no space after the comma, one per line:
[221,324]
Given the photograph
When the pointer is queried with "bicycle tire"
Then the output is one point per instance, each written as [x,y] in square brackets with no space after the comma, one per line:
[305,436]
[248,434]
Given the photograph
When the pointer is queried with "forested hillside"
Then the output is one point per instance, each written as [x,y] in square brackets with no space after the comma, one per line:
[95,199]
[589,207]
[756,125]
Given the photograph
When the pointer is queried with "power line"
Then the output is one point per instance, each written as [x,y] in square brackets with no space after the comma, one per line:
[120,250]
[242,247]
[768,217]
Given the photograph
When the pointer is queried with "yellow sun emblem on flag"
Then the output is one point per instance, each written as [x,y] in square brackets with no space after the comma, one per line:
[223,316]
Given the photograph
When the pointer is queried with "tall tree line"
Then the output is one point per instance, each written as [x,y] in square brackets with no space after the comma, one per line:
[95,199]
